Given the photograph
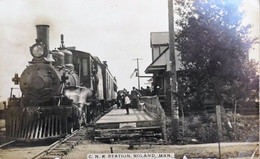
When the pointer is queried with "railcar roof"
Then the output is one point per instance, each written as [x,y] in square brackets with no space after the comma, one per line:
[97,59]
[73,50]
[78,51]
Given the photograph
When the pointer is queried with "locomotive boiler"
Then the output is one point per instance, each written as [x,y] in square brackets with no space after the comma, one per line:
[61,90]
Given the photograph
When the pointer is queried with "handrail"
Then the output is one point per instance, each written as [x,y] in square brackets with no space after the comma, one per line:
[153,107]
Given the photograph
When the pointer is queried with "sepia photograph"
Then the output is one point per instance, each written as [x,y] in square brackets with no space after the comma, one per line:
[129,79]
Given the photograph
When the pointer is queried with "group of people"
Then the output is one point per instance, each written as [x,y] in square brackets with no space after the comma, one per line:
[126,99]
[146,92]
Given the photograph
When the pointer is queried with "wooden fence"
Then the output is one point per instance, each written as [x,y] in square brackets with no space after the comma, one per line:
[153,108]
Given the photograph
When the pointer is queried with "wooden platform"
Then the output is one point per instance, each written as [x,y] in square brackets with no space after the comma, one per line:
[117,122]
[119,115]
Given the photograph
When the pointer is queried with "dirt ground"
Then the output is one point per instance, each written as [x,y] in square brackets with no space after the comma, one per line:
[247,126]
[228,150]
[20,152]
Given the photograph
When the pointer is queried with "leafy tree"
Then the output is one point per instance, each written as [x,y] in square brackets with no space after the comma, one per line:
[214,47]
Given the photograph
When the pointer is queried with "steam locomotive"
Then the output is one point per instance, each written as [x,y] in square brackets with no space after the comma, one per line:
[61,90]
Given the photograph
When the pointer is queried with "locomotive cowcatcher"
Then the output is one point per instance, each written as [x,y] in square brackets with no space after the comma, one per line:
[61,90]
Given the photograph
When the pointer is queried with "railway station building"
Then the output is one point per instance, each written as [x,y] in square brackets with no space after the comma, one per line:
[160,66]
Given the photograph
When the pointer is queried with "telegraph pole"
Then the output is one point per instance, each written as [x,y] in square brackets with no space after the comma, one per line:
[259,98]
[138,77]
[173,74]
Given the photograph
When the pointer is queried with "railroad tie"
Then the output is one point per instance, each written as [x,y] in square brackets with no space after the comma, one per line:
[64,151]
[60,148]
[73,143]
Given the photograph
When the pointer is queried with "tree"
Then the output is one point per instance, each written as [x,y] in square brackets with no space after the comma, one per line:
[214,47]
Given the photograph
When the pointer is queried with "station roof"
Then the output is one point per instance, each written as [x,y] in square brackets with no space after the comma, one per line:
[159,38]
[158,64]
[161,63]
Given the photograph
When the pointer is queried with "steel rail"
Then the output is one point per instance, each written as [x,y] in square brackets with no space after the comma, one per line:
[253,154]
[8,143]
[53,145]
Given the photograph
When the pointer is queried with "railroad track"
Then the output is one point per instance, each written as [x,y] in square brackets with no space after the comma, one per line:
[62,147]
[57,149]
[7,144]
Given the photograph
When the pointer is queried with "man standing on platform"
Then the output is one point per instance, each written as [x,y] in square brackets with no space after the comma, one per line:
[127,103]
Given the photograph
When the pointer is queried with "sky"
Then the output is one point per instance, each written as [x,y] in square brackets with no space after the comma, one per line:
[117,31]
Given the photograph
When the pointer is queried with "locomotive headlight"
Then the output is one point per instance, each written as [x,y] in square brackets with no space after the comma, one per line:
[37,50]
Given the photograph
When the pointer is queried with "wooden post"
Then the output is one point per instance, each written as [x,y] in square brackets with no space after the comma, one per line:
[219,124]
[258,102]
[235,115]
[138,73]
[173,75]
[182,120]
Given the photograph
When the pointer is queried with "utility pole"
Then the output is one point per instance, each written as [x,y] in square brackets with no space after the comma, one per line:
[173,74]
[259,99]
[138,77]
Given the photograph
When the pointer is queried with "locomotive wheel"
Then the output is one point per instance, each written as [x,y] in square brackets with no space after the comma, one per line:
[70,127]
[76,125]
[79,122]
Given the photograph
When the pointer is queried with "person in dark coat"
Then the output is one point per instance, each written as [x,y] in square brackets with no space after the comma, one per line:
[148,91]
[135,97]
[119,100]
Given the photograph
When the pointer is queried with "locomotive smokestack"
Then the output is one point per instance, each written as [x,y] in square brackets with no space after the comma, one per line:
[43,35]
